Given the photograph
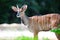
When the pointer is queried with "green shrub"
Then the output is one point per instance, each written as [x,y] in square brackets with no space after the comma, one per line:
[57,31]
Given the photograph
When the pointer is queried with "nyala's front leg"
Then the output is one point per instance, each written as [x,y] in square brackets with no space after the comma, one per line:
[35,35]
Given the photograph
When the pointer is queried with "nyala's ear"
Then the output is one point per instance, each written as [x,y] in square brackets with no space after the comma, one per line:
[23,8]
[14,8]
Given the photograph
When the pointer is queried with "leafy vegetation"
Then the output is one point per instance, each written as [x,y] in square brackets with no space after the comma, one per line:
[57,31]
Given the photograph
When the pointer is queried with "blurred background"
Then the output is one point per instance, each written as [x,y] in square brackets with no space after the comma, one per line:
[35,7]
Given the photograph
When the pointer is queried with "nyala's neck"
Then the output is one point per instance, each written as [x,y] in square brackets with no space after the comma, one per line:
[25,19]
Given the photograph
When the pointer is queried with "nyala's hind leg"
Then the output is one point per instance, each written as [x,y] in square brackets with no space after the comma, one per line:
[58,36]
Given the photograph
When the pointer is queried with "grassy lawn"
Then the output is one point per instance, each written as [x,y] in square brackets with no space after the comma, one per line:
[23,38]
[27,38]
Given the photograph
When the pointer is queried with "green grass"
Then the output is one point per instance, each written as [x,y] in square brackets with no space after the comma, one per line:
[27,38]
[23,38]
[45,38]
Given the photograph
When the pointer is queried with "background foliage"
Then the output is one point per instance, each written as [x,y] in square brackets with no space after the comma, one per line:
[35,7]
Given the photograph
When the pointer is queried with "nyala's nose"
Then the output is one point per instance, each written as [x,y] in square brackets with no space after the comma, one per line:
[18,15]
